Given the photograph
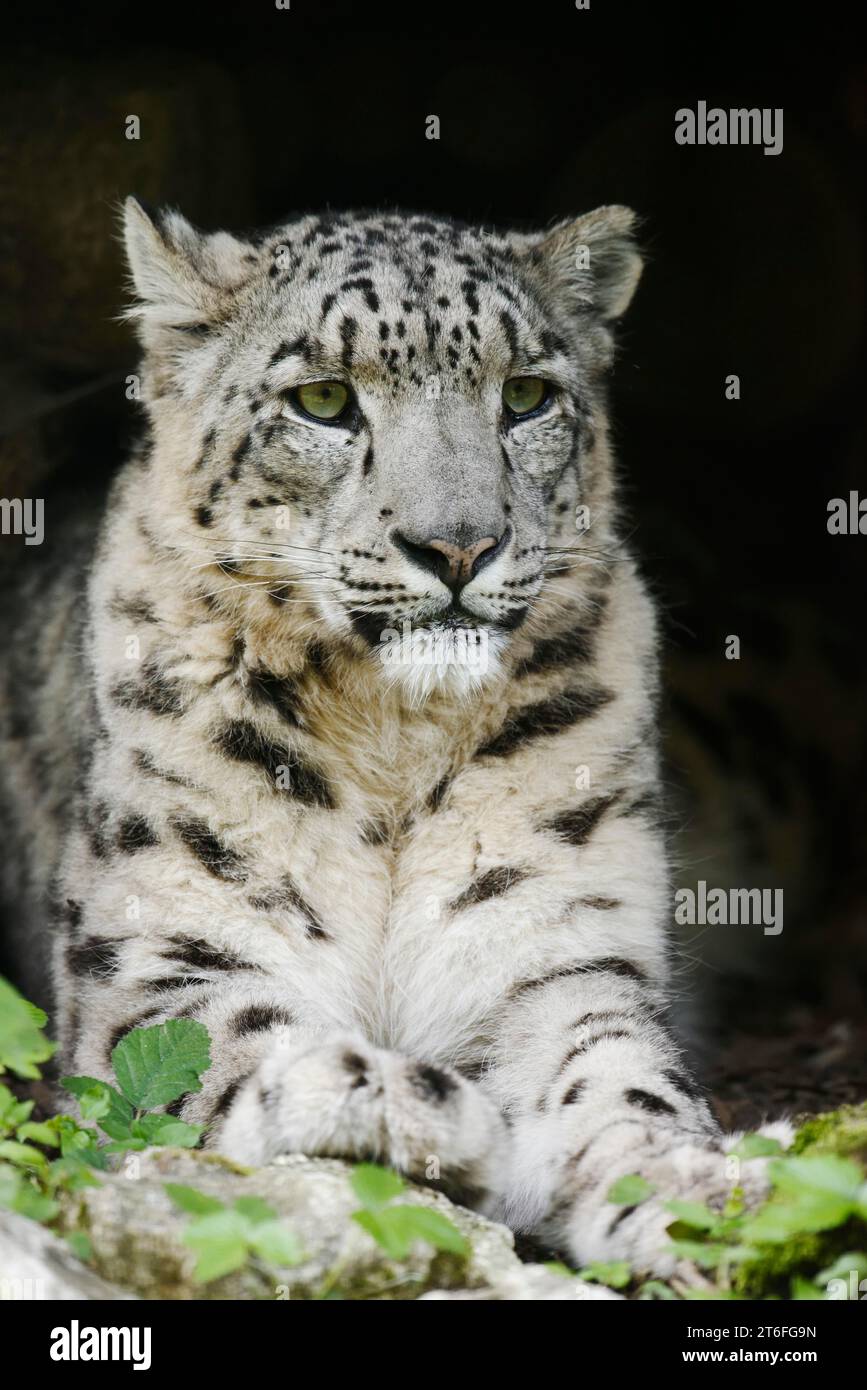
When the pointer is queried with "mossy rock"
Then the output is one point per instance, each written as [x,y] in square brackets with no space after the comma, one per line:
[841,1132]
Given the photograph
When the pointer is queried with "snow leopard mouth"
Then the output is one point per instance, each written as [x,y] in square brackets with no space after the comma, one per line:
[455,618]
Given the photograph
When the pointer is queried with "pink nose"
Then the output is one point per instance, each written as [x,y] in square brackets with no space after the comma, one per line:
[455,564]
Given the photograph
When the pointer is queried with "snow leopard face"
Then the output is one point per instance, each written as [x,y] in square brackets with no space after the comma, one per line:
[387,418]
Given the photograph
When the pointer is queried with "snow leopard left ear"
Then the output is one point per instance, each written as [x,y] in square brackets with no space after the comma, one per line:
[593,262]
[183,279]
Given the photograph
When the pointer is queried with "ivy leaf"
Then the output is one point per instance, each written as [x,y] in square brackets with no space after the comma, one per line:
[189,1199]
[616,1274]
[22,1044]
[374,1185]
[116,1119]
[558,1267]
[220,1243]
[156,1065]
[630,1191]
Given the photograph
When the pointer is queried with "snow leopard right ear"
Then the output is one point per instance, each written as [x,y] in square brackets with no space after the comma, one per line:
[183,279]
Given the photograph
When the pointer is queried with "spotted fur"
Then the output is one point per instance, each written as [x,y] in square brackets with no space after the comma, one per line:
[422,910]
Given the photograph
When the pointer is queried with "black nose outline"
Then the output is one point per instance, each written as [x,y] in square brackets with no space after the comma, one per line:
[454,564]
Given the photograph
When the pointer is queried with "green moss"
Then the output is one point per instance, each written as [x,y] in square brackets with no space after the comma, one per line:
[842,1131]
[770,1274]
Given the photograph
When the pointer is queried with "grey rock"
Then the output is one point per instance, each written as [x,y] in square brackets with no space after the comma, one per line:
[136,1233]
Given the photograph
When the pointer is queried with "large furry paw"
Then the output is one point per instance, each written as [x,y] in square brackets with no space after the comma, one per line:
[346,1099]
[688,1171]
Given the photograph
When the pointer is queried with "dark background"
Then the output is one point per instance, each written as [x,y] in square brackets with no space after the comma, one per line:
[755,267]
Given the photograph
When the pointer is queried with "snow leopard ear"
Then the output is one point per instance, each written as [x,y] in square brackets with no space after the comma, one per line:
[592,261]
[183,279]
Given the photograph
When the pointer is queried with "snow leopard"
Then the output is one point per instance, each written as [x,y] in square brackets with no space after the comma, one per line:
[334,726]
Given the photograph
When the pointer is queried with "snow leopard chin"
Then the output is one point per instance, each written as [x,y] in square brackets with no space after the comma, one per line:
[456,661]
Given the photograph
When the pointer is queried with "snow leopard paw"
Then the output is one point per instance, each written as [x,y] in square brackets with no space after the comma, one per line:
[344,1098]
[705,1173]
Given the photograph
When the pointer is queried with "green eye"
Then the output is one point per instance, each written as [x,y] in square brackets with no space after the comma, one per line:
[521,394]
[324,400]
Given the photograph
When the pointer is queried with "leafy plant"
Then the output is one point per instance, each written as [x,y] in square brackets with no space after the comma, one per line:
[817,1206]
[396,1226]
[226,1238]
[153,1066]
[39,1160]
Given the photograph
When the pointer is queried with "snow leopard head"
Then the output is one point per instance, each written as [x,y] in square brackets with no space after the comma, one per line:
[388,419]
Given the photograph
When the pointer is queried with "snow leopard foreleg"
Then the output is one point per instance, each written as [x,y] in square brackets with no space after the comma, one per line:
[598,1088]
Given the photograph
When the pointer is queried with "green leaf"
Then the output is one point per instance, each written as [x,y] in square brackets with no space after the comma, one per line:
[188,1199]
[254,1210]
[165,1129]
[156,1065]
[693,1214]
[13,1112]
[39,1133]
[654,1288]
[95,1103]
[23,1155]
[706,1255]
[558,1267]
[123,1146]
[116,1121]
[756,1146]
[22,1044]
[818,1173]
[615,1274]
[397,1228]
[374,1186]
[10,1183]
[630,1191]
[220,1243]
[71,1172]
[802,1289]
[275,1243]
[423,1223]
[35,1204]
[393,1242]
[80,1244]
